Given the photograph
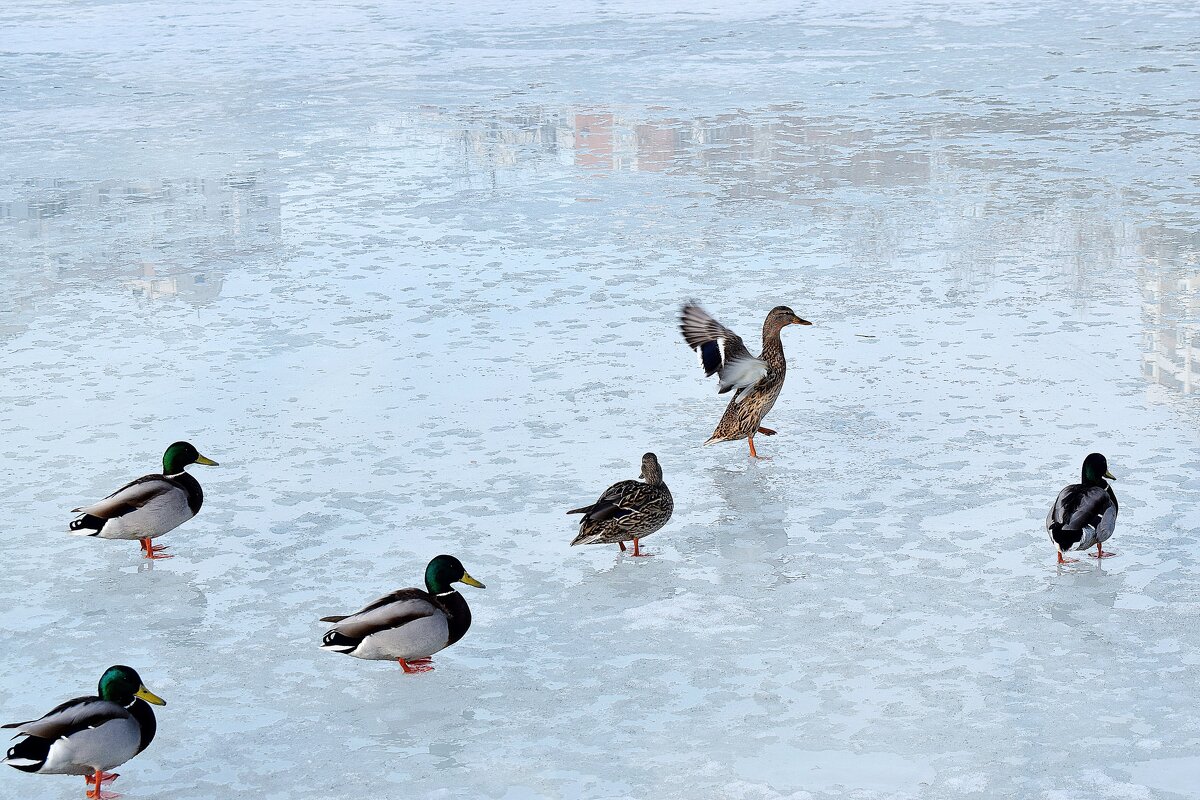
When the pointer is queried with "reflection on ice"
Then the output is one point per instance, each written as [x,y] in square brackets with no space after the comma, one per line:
[417,276]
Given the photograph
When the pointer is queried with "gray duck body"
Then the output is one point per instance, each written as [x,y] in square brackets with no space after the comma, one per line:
[407,624]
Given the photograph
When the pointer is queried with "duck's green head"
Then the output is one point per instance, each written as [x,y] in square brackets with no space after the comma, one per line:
[179,455]
[121,684]
[445,570]
[1095,470]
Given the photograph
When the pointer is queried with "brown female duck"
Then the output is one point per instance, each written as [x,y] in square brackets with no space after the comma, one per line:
[628,510]
[755,382]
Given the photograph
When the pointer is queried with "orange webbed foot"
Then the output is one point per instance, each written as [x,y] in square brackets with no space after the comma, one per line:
[415,665]
[96,783]
[105,777]
[154,551]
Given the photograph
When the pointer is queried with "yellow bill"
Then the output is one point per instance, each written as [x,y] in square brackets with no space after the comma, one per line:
[149,696]
[469,581]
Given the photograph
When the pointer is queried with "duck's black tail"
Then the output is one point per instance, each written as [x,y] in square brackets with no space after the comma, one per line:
[1064,538]
[29,754]
[87,525]
[339,642]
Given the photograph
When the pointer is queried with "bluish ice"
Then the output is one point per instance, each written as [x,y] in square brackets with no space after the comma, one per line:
[411,273]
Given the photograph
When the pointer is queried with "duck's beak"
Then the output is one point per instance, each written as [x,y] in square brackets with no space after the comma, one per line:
[798,321]
[149,696]
[469,581]
[208,462]
[1109,475]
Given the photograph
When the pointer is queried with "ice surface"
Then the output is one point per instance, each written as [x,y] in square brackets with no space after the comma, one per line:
[411,275]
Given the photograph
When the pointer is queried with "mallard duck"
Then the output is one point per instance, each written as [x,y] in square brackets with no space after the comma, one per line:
[90,735]
[150,506]
[408,625]
[1084,514]
[755,382]
[628,510]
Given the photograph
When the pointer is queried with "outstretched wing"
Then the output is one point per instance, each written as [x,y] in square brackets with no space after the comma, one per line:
[132,496]
[721,351]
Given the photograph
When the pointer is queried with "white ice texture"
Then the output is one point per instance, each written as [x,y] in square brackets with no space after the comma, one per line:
[410,272]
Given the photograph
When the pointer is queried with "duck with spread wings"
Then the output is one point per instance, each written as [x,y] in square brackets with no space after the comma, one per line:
[755,382]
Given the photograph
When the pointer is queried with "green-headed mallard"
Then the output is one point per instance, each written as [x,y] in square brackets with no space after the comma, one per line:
[1084,514]
[755,382]
[90,735]
[150,506]
[628,510]
[408,625]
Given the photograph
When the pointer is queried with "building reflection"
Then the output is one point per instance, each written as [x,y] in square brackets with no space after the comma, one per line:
[763,159]
[157,282]
[171,238]
[991,206]
[1170,281]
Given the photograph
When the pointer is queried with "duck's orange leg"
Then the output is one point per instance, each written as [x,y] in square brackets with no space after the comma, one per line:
[96,783]
[753,452]
[150,550]
[105,777]
[1100,552]
[415,665]
[1062,560]
[637,552]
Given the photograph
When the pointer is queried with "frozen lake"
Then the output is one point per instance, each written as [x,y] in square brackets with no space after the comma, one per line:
[412,278]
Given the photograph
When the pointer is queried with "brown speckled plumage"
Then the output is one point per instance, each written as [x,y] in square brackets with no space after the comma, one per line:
[722,351]
[628,510]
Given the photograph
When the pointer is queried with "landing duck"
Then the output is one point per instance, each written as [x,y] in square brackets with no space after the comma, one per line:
[755,382]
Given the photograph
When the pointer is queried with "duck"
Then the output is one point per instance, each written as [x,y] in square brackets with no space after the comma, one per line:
[408,625]
[628,510]
[90,735]
[755,382]
[1084,514]
[150,506]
